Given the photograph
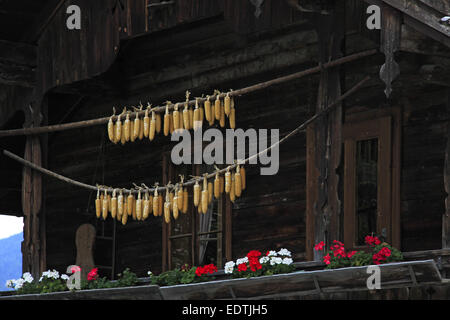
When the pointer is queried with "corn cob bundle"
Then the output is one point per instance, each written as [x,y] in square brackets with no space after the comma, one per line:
[204,196]
[152,129]
[227,181]
[145,206]
[156,203]
[217,186]
[105,206]
[167,120]
[196,194]
[146,123]
[114,204]
[185,201]
[139,206]
[237,181]
[98,205]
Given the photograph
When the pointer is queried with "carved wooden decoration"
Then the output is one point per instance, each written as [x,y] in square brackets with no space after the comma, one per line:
[257,4]
[390,43]
[84,240]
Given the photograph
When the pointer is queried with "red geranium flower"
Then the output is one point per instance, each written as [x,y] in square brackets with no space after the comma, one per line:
[242,267]
[319,246]
[253,254]
[327,259]
[350,254]
[93,274]
[372,240]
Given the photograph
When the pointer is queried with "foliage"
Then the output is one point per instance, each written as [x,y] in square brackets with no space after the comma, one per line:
[255,265]
[184,275]
[377,252]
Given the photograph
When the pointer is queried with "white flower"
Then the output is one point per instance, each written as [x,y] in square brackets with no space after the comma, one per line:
[272,253]
[229,266]
[65,277]
[287,261]
[275,260]
[11,283]
[264,260]
[28,277]
[149,273]
[241,260]
[19,283]
[284,252]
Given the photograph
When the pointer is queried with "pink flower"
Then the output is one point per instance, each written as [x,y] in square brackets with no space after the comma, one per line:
[327,259]
[351,254]
[75,269]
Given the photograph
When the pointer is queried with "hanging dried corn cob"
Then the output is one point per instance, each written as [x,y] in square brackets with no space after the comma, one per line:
[227,104]
[171,197]
[196,193]
[222,116]
[228,181]
[146,123]
[186,115]
[156,202]
[175,207]
[180,197]
[207,106]
[158,125]
[111,133]
[167,120]
[127,127]
[210,192]
[114,204]
[105,206]
[196,121]
[124,217]
[167,207]
[132,137]
[243,178]
[145,206]
[204,195]
[217,186]
[136,126]
[176,117]
[120,204]
[141,124]
[118,129]
[232,188]
[152,130]
[217,105]
[139,206]
[222,184]
[191,118]
[98,205]
[232,116]
[130,200]
[238,181]
[185,201]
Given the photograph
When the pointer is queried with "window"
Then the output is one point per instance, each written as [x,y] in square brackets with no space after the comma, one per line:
[369,174]
[371,179]
[195,238]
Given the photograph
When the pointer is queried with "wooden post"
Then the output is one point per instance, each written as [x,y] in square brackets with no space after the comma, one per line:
[32,200]
[328,142]
[446,215]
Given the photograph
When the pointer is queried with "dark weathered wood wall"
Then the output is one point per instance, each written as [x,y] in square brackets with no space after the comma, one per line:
[211,54]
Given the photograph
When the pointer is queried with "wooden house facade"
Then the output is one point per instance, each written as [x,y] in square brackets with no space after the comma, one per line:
[376,163]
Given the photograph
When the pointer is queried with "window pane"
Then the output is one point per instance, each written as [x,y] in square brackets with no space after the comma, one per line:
[181,252]
[366,188]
